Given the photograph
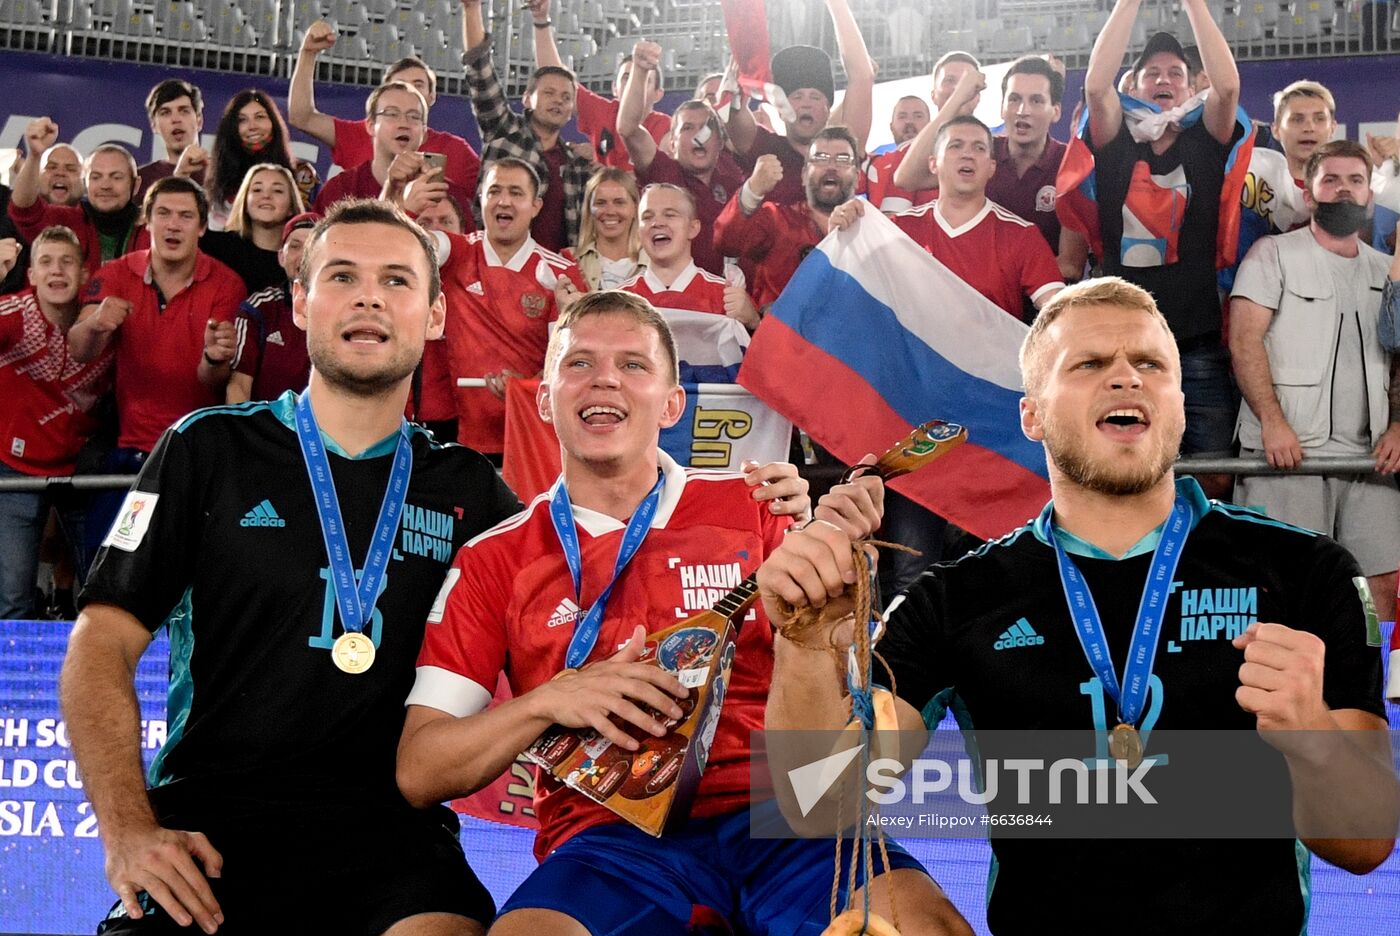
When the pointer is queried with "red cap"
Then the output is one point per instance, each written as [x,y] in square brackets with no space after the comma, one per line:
[307,219]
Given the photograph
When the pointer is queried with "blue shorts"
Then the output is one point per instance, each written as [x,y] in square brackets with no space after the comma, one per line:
[615,879]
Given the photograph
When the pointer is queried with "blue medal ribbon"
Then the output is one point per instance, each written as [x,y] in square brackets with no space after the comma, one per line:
[1131,697]
[356,602]
[561,511]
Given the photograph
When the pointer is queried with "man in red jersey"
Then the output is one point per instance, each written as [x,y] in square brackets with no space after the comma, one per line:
[957,78]
[778,237]
[503,290]
[156,308]
[48,400]
[350,140]
[597,115]
[999,254]
[611,385]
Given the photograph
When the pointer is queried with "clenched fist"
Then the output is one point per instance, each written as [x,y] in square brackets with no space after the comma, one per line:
[320,36]
[767,173]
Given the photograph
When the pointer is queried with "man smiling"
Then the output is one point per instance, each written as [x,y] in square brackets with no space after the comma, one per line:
[287,677]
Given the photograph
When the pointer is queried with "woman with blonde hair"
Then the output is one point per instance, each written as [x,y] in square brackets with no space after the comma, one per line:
[248,244]
[609,248]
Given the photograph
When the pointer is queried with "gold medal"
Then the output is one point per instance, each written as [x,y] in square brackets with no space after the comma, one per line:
[353,653]
[1125,744]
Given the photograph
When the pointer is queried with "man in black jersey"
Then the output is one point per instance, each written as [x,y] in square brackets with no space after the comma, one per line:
[292,548]
[991,635]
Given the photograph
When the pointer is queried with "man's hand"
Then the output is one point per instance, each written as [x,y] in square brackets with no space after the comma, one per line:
[812,566]
[778,484]
[767,173]
[319,37]
[194,159]
[566,293]
[857,507]
[968,92]
[1281,678]
[738,306]
[539,10]
[110,315]
[39,135]
[1381,148]
[615,687]
[496,383]
[220,341]
[9,255]
[405,168]
[583,149]
[1281,446]
[844,215]
[1388,451]
[161,863]
[646,56]
[423,192]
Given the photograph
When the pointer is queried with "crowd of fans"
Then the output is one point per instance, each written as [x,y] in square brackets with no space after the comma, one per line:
[134,294]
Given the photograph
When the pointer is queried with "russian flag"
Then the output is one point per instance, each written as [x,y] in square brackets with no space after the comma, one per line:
[872,337]
[1077,193]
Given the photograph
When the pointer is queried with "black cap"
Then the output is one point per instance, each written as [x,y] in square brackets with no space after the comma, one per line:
[804,67]
[1161,42]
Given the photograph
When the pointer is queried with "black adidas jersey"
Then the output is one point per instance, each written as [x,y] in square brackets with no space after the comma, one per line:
[220,541]
[990,637]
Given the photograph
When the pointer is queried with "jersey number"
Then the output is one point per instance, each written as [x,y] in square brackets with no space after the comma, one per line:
[325,639]
[1094,690]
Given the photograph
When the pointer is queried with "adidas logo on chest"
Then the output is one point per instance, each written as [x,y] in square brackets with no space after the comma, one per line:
[263,515]
[1020,634]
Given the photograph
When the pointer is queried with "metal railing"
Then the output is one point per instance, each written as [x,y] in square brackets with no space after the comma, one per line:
[1240,467]
[904,36]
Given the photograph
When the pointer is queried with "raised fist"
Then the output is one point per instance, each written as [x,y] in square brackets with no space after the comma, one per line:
[220,340]
[646,55]
[194,159]
[767,173]
[9,255]
[40,135]
[110,314]
[319,37]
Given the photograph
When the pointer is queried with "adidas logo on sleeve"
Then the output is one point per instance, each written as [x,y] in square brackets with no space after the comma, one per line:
[263,515]
[1020,634]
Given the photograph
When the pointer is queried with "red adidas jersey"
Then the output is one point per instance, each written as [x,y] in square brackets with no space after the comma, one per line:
[695,290]
[880,187]
[48,395]
[161,342]
[997,253]
[509,605]
[498,317]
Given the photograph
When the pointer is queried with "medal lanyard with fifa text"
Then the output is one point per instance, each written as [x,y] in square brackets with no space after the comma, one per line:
[561,511]
[356,604]
[1131,697]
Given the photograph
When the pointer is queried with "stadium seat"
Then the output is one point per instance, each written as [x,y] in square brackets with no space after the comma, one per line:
[1298,28]
[1041,26]
[234,33]
[1266,11]
[185,29]
[81,18]
[1072,38]
[347,15]
[1013,41]
[378,36]
[1346,23]
[908,31]
[21,13]
[1243,28]
[135,25]
[304,14]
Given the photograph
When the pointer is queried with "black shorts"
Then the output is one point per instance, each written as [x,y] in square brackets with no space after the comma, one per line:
[341,876]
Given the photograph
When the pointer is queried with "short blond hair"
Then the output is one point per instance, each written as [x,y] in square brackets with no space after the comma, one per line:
[614,302]
[1090,293]
[1304,88]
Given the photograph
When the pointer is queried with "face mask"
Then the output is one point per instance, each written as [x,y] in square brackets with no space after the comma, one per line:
[1340,218]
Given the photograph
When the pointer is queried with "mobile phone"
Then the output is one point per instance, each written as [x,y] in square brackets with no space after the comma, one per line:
[436,163]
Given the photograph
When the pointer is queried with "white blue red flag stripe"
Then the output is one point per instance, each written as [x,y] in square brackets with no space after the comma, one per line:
[872,337]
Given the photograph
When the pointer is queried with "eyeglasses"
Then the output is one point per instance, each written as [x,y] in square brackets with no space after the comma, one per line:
[840,159]
[393,113]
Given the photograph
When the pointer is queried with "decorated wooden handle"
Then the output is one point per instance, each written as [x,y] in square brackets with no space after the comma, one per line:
[933,439]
